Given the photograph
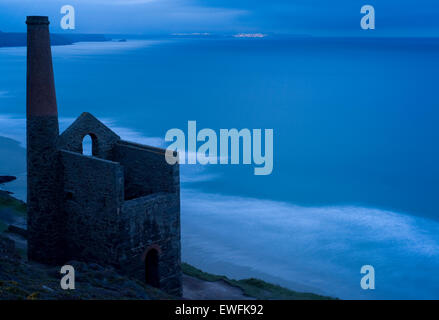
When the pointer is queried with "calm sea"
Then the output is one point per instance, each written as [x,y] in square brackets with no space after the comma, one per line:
[356,175]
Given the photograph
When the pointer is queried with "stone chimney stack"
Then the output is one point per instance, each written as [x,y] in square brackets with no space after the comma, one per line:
[41,98]
[43,182]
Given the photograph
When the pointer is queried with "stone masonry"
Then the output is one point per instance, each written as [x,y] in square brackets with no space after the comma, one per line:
[120,206]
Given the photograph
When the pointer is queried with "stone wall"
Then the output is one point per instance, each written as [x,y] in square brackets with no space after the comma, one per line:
[7,249]
[103,138]
[145,169]
[153,222]
[115,210]
[93,195]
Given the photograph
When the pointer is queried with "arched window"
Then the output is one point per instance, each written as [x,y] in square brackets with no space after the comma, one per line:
[152,276]
[87,146]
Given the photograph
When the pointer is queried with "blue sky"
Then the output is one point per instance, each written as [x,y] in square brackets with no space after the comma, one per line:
[315,17]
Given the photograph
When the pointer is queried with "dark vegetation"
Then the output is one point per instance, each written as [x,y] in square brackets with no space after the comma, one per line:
[9,202]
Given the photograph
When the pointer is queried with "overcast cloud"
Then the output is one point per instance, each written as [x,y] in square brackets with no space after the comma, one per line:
[315,17]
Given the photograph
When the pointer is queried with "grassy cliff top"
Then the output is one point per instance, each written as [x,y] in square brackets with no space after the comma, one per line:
[254,288]
[9,202]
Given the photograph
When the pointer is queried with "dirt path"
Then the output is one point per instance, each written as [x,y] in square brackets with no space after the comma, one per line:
[196,289]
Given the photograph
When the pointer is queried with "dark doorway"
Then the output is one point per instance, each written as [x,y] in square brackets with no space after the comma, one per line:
[152,268]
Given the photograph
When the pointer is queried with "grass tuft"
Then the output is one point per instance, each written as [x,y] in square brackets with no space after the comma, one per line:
[6,201]
[254,288]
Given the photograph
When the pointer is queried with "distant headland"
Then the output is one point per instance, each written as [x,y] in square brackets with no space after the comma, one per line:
[18,39]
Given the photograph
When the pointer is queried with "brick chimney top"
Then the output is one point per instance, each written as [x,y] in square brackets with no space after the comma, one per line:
[36,20]
[41,98]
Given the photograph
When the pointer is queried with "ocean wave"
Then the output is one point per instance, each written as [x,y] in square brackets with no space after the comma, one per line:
[320,248]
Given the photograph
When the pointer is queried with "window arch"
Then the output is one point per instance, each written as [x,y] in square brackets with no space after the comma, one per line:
[87,145]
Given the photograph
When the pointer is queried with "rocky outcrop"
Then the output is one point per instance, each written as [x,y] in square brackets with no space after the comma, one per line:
[5,179]
[17,230]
